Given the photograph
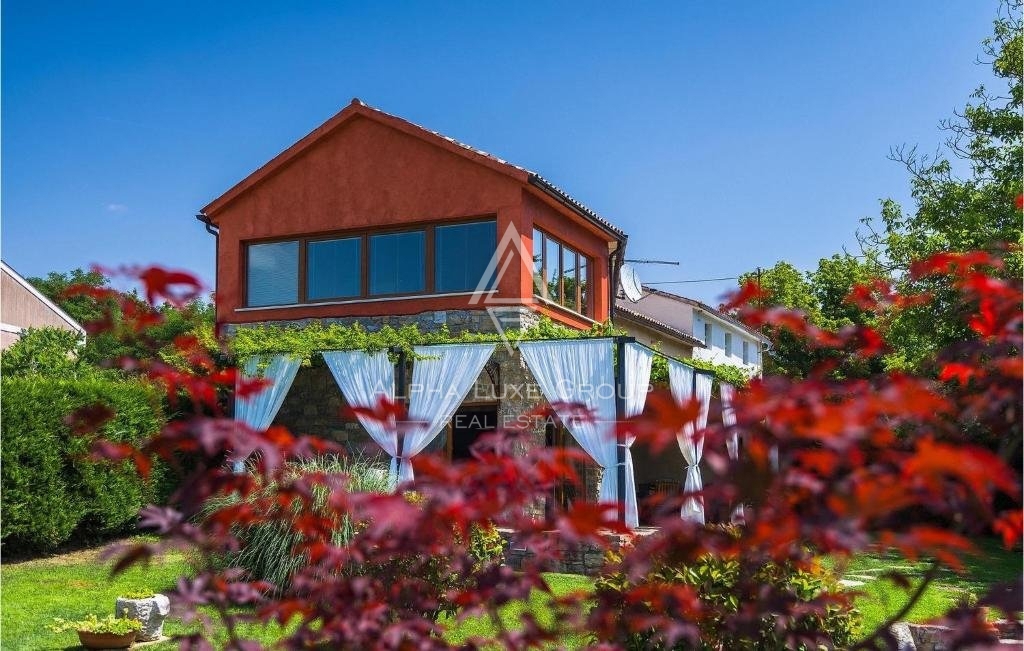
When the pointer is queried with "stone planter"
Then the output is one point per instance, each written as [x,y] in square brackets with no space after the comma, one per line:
[106,640]
[151,611]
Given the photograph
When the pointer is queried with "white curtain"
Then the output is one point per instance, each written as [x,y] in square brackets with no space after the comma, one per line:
[258,410]
[686,384]
[637,366]
[732,443]
[579,372]
[441,377]
[364,379]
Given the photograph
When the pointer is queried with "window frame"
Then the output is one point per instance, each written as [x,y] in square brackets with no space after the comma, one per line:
[562,245]
[364,235]
[727,344]
[746,351]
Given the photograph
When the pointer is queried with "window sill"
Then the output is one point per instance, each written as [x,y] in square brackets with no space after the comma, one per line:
[358,301]
[563,309]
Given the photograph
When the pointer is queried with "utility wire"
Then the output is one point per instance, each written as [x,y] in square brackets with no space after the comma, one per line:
[700,280]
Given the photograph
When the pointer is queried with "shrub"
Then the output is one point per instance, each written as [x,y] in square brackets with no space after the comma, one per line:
[266,548]
[52,490]
[721,584]
[53,352]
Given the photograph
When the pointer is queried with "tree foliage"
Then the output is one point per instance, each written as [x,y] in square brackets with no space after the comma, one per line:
[963,200]
[876,461]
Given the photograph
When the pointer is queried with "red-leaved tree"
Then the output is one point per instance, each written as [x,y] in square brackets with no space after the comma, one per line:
[827,467]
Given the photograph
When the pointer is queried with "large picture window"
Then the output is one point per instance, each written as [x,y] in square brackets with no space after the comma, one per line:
[560,273]
[432,259]
[273,273]
[333,269]
[461,255]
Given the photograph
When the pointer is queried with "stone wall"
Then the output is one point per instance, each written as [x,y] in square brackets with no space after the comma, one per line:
[571,558]
[458,321]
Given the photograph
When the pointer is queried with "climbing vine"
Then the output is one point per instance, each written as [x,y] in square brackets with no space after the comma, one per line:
[307,341]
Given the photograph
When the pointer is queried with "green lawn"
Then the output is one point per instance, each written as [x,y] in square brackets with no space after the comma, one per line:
[880,598]
[72,585]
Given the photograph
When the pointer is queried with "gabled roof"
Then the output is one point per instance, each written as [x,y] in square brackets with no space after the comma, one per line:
[707,308]
[630,313]
[17,277]
[358,108]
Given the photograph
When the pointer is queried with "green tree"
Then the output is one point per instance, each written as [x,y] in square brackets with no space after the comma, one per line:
[155,341]
[964,199]
[786,286]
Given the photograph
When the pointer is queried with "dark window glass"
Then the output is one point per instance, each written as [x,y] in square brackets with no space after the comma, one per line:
[569,279]
[333,269]
[584,281]
[272,274]
[552,271]
[538,262]
[397,263]
[462,253]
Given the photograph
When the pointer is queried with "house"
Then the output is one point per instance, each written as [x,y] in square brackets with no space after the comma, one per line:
[374,220]
[370,216]
[684,327]
[23,306]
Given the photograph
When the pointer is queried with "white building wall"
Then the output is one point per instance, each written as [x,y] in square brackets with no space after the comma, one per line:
[716,352]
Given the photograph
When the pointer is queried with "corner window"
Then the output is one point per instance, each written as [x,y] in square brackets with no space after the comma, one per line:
[333,268]
[397,263]
[272,274]
[462,253]
[560,273]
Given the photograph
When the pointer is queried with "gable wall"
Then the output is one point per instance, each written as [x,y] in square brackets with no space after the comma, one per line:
[363,175]
[23,309]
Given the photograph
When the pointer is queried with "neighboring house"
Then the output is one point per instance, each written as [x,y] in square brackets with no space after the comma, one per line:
[23,306]
[677,323]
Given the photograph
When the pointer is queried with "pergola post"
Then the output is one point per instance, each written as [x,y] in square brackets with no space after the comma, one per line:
[400,396]
[620,416]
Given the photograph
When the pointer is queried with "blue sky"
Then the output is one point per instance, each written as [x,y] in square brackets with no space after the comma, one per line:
[721,135]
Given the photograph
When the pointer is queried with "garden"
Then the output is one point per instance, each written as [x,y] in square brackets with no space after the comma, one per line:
[878,481]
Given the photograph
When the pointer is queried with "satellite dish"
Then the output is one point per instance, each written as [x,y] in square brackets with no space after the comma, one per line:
[629,279]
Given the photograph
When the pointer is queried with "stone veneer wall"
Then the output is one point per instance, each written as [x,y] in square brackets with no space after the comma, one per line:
[570,558]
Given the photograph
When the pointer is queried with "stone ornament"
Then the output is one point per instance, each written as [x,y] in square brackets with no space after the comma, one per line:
[151,611]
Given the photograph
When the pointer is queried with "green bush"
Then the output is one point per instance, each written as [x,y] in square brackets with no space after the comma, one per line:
[717,583]
[53,352]
[52,491]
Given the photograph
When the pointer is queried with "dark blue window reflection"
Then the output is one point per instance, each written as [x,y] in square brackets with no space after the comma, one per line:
[462,253]
[397,263]
[332,269]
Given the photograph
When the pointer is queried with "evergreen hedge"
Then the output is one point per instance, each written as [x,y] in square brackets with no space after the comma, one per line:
[52,491]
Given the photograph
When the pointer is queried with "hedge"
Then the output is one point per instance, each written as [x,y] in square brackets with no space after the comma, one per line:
[52,491]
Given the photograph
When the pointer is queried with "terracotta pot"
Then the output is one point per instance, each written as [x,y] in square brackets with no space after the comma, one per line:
[106,640]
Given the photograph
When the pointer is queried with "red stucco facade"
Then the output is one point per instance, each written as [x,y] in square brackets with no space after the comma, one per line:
[365,169]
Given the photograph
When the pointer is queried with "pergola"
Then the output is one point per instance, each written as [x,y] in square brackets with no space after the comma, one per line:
[607,376]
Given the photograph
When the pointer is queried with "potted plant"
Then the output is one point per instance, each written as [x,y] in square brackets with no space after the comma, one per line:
[148,607]
[95,633]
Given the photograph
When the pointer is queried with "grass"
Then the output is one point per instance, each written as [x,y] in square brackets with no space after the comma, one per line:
[879,599]
[75,584]
[538,606]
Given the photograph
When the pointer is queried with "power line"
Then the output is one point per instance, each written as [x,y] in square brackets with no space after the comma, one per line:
[699,280]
